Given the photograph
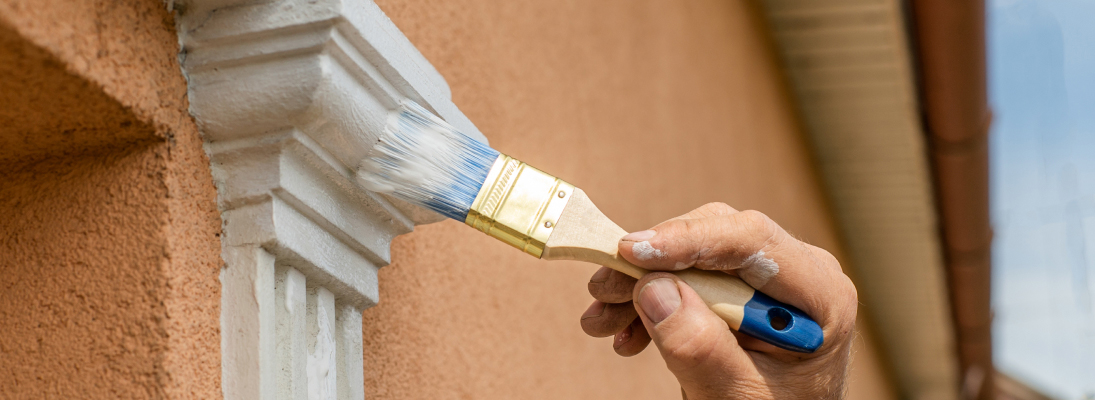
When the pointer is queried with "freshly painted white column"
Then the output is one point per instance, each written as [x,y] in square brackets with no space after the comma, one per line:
[348,353]
[292,333]
[247,323]
[290,95]
[322,367]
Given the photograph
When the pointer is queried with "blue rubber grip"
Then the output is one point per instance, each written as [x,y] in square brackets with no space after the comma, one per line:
[763,314]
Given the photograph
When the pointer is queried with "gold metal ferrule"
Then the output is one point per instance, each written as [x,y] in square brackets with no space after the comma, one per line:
[519,204]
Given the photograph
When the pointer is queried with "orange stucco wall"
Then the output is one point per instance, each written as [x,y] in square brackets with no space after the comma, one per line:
[110,255]
[653,108]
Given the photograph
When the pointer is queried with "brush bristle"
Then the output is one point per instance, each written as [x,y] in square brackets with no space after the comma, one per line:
[422,159]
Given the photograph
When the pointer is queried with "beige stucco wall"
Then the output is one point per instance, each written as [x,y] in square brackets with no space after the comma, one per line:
[653,108]
[110,255]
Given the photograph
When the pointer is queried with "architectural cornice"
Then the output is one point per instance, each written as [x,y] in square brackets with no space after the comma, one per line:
[290,95]
[850,69]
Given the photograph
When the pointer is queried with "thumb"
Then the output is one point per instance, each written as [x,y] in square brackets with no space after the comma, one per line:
[696,344]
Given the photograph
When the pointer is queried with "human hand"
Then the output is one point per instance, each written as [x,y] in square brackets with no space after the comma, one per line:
[709,360]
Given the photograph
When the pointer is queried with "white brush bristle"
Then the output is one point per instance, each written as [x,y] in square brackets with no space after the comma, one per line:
[422,159]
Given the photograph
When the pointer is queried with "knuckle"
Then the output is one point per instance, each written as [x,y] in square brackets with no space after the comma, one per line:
[845,308]
[693,236]
[759,226]
[717,208]
[757,221]
[689,225]
[829,259]
[823,259]
[851,294]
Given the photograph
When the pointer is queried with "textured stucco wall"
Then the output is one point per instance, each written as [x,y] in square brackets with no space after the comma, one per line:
[109,236]
[653,108]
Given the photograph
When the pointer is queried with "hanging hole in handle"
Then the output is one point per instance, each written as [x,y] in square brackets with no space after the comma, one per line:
[780,319]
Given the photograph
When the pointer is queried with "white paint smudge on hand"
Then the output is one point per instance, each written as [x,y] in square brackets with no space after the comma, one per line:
[695,260]
[644,251]
[757,270]
[683,265]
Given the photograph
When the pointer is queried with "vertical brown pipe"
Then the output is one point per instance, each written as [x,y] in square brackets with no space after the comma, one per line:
[950,42]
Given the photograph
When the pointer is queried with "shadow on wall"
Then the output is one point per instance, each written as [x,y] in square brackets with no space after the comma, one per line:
[82,236]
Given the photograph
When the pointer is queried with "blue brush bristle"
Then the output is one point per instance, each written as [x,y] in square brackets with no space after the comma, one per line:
[422,159]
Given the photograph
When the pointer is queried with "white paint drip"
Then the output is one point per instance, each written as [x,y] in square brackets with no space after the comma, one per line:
[644,251]
[757,270]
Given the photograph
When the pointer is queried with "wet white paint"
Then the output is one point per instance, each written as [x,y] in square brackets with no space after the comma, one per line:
[644,251]
[757,270]
[300,139]
[321,361]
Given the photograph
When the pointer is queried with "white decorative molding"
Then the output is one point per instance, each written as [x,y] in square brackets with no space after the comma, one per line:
[290,95]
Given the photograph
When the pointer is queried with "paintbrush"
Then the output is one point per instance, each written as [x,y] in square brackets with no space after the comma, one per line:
[425,161]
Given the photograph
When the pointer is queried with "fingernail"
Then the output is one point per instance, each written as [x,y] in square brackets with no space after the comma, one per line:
[640,236]
[601,276]
[659,299]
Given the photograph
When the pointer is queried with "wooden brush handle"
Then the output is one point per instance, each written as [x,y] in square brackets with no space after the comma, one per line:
[583,233]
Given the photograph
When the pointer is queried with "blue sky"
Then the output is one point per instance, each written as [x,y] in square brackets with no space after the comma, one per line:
[1042,90]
